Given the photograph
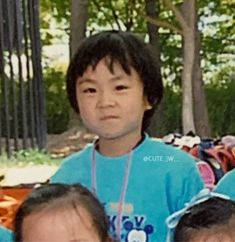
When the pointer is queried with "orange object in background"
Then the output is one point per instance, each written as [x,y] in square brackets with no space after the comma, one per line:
[10,199]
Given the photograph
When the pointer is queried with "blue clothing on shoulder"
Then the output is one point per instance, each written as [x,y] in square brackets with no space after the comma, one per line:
[6,235]
[226,185]
[161,180]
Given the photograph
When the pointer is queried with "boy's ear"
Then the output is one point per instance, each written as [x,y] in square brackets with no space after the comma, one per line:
[147,104]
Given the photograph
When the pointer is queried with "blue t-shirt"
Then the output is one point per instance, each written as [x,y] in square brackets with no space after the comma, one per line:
[161,180]
[6,235]
[227,185]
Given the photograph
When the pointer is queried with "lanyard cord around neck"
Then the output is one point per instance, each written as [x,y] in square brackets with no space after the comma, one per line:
[123,189]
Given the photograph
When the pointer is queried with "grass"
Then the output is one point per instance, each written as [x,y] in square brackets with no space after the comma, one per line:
[28,157]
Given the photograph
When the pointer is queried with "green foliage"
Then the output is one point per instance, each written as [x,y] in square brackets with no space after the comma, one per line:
[171,120]
[221,99]
[57,8]
[57,106]
[218,28]
[28,157]
[54,16]
[120,14]
[171,58]
[216,24]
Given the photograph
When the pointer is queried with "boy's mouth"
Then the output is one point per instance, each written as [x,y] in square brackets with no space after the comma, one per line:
[108,117]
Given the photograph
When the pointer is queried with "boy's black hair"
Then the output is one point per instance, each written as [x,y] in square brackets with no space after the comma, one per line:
[214,213]
[127,50]
[54,196]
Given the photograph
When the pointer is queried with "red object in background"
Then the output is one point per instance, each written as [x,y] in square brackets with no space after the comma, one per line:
[207,174]
[221,154]
[10,199]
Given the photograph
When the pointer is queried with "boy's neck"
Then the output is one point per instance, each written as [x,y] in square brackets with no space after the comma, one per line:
[119,146]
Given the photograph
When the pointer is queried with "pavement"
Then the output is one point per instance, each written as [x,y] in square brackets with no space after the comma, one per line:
[12,176]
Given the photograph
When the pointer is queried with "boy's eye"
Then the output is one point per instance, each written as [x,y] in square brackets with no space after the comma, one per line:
[89,90]
[121,87]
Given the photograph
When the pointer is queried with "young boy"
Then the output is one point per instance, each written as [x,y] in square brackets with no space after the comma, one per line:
[226,185]
[114,83]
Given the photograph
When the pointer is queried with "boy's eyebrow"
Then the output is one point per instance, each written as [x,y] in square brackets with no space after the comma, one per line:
[85,80]
[90,80]
[117,78]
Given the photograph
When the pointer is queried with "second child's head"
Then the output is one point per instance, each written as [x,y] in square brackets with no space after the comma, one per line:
[209,221]
[63,213]
[113,81]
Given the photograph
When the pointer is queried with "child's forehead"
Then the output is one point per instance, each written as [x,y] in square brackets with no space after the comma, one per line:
[214,234]
[72,224]
[70,211]
[103,73]
[112,64]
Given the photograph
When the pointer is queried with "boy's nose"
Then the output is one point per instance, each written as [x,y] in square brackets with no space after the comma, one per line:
[105,100]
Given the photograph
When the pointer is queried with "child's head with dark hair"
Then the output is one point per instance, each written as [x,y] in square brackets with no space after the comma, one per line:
[58,212]
[210,221]
[124,55]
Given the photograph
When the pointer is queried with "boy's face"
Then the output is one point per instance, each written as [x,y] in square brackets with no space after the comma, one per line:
[59,225]
[111,105]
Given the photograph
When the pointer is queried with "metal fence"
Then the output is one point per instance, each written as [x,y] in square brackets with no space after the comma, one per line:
[22,108]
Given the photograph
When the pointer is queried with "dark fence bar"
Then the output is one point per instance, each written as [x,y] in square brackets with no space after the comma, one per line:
[22,104]
[5,124]
[29,81]
[10,25]
[22,94]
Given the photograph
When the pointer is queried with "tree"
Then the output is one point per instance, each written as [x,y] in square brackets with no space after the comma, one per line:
[78,26]
[78,23]
[192,73]
[201,116]
[152,11]
[194,102]
[187,21]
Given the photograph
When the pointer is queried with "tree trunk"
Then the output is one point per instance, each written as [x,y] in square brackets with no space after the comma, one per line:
[200,105]
[78,22]
[189,39]
[194,106]
[152,10]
